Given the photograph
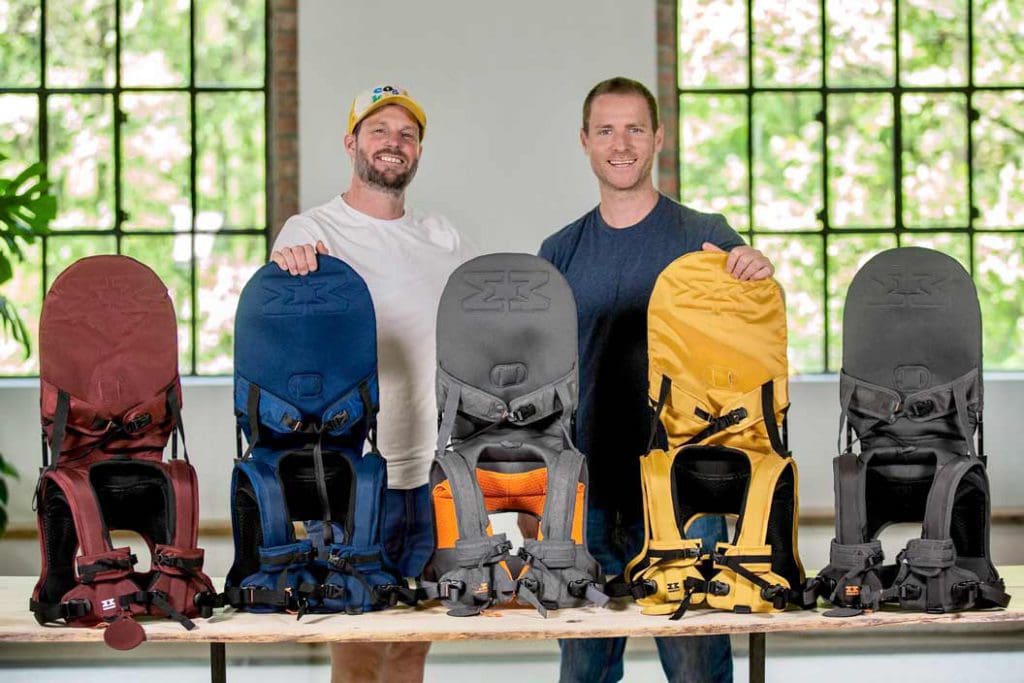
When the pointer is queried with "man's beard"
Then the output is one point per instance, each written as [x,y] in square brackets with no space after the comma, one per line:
[390,182]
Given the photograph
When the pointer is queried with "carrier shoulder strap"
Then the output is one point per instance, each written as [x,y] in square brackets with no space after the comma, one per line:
[60,423]
[179,427]
[85,509]
[560,501]
[470,510]
[851,506]
[186,503]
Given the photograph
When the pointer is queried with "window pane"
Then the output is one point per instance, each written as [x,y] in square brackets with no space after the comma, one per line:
[787,161]
[933,42]
[846,255]
[24,290]
[225,264]
[713,147]
[155,165]
[170,257]
[231,163]
[80,39]
[712,43]
[949,243]
[154,42]
[19,142]
[82,160]
[230,42]
[934,160]
[799,269]
[860,165]
[999,159]
[19,49]
[62,251]
[998,27]
[999,276]
[860,46]
[787,42]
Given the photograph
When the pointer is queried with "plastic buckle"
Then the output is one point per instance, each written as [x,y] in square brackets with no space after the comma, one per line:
[449,589]
[718,588]
[908,591]
[137,423]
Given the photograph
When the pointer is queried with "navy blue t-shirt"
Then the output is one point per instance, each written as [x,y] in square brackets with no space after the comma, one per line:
[611,272]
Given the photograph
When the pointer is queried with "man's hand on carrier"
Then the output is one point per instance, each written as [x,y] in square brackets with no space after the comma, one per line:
[745,263]
[299,260]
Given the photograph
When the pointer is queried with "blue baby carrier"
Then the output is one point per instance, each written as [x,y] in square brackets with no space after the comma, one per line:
[306,399]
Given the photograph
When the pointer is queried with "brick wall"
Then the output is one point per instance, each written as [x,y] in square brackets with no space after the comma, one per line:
[668,97]
[283,178]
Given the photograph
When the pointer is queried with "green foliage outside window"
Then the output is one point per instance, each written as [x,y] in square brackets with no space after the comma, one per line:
[842,164]
[110,110]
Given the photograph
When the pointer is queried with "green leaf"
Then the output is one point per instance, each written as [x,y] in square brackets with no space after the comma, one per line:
[3,491]
[6,272]
[7,469]
[12,325]
[3,520]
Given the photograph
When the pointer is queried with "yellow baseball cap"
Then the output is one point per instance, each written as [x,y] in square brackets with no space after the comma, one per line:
[379,96]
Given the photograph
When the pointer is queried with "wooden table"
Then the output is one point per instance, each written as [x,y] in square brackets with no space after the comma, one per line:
[432,624]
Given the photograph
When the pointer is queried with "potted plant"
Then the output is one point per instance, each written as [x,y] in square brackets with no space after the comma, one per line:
[26,209]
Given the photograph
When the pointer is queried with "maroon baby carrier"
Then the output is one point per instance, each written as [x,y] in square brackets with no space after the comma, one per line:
[110,399]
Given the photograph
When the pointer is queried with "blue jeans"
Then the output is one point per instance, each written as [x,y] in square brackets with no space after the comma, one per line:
[408,529]
[683,658]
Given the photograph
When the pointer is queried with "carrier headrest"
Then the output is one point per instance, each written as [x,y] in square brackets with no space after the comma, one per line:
[506,327]
[308,342]
[715,337]
[911,322]
[108,337]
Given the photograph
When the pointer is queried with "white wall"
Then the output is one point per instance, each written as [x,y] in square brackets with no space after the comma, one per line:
[502,84]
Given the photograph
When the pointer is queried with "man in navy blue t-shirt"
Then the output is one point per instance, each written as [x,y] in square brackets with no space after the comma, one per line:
[611,258]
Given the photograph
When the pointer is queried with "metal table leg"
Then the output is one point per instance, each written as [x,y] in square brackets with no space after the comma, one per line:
[218,663]
[757,653]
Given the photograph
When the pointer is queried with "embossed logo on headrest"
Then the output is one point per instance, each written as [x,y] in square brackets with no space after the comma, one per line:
[508,374]
[502,291]
[303,296]
[912,377]
[900,289]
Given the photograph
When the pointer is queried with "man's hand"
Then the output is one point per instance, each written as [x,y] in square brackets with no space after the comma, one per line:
[528,525]
[299,260]
[745,263]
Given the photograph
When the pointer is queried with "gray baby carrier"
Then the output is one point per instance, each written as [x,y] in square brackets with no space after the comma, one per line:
[507,395]
[911,392]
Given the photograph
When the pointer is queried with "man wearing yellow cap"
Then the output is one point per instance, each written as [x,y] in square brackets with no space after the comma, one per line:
[405,256]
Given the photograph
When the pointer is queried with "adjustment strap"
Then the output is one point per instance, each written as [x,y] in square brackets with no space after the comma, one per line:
[46,612]
[692,585]
[161,603]
[370,411]
[60,423]
[663,393]
[768,412]
[179,426]
[718,424]
[321,487]
[252,406]
[243,597]
[736,562]
[448,414]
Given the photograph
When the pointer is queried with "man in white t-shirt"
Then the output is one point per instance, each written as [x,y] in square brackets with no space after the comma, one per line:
[405,256]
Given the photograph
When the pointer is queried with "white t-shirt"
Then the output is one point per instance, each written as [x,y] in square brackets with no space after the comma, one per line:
[406,263]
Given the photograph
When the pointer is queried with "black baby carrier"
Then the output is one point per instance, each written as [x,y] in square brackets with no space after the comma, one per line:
[507,394]
[306,401]
[911,396]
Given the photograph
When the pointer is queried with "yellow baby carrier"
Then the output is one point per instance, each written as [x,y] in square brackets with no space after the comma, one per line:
[717,351]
